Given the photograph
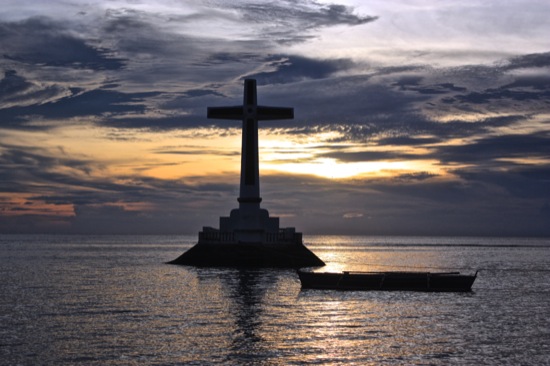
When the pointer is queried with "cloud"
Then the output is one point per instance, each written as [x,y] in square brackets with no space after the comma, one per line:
[15,90]
[155,58]
[413,83]
[531,146]
[39,41]
[194,151]
[68,194]
[521,181]
[289,21]
[21,165]
[409,141]
[289,69]
[418,176]
[534,60]
[502,94]
[126,68]
[422,205]
[97,104]
[357,156]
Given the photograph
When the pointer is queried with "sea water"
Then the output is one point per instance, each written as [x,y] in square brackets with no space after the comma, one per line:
[111,300]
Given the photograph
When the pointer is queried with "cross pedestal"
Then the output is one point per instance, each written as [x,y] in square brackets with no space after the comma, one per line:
[249,236]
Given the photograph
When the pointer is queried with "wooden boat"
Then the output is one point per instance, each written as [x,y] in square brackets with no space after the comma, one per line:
[388,281]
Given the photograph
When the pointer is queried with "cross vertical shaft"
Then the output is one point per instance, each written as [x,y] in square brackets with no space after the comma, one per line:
[250,161]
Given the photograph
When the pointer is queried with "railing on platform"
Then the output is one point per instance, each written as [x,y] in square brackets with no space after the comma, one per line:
[283,235]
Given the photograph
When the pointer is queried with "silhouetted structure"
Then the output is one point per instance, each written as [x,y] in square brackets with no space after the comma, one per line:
[249,237]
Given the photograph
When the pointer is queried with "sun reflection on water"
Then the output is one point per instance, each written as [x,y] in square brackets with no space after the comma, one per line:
[111,300]
[348,253]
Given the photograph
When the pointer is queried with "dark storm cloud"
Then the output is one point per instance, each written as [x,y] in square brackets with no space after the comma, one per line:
[20,166]
[528,61]
[399,126]
[16,90]
[290,21]
[362,105]
[94,103]
[461,129]
[336,101]
[44,42]
[309,14]
[537,82]
[410,130]
[418,176]
[532,146]
[367,106]
[15,159]
[341,100]
[221,58]
[482,151]
[160,58]
[136,35]
[399,102]
[289,69]
[409,141]
[484,88]
[193,93]
[413,83]
[521,181]
[39,41]
[503,93]
[12,84]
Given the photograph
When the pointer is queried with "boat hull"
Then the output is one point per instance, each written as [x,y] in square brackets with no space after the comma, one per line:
[387,281]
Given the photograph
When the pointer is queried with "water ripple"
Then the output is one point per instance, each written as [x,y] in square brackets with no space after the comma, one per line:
[97,305]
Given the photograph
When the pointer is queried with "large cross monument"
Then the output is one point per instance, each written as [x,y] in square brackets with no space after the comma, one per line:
[249,237]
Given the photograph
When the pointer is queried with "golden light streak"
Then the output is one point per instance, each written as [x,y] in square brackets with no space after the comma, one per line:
[118,154]
[471,117]
[333,169]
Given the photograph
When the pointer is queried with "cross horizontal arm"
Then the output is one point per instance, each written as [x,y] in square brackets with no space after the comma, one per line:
[271,113]
[225,112]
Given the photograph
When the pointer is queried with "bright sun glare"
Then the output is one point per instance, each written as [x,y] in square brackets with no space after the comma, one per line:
[304,155]
[332,169]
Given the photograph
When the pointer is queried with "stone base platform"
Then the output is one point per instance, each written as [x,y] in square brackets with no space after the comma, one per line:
[277,255]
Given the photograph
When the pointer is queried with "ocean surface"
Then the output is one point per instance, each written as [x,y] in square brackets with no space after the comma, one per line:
[111,300]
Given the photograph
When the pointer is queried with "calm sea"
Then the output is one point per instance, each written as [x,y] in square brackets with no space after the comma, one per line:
[110,300]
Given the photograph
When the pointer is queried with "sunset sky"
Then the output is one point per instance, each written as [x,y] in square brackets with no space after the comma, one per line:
[412,117]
